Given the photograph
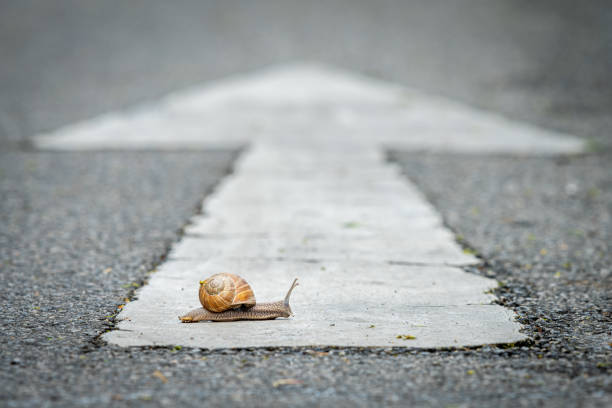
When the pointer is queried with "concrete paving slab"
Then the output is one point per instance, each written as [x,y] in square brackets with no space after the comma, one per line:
[254,223]
[337,304]
[434,247]
[432,327]
[314,215]
[403,284]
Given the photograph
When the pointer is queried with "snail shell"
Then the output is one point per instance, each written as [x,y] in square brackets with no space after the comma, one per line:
[225,291]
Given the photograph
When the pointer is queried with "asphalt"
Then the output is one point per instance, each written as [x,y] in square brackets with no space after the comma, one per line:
[543,229]
[79,231]
[66,269]
[546,62]
[76,240]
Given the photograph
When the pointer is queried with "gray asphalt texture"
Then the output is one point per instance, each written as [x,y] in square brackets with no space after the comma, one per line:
[80,231]
[59,294]
[543,227]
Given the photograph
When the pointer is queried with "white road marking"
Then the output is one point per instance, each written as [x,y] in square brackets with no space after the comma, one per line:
[354,273]
[314,198]
[280,104]
[360,285]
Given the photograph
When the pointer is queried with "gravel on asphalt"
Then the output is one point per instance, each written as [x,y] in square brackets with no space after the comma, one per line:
[79,231]
[543,227]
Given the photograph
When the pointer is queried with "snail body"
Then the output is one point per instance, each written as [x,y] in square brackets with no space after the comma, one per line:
[227,297]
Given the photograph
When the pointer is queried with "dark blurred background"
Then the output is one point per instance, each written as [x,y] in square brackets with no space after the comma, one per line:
[547,62]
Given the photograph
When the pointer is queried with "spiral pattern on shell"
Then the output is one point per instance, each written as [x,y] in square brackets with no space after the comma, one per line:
[225,291]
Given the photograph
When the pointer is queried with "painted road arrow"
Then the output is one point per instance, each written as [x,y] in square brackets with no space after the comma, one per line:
[313,197]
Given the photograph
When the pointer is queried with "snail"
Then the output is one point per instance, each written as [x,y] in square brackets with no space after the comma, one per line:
[226,297]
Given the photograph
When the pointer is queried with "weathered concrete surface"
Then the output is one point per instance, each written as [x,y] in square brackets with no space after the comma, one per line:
[336,304]
[355,261]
